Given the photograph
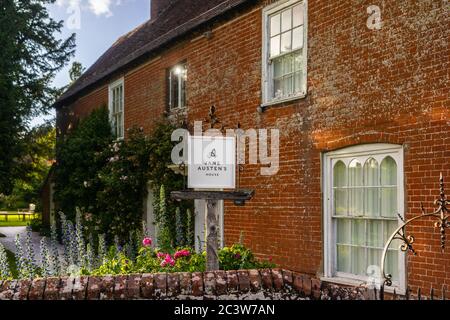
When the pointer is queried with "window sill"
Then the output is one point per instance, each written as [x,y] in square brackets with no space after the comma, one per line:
[359,283]
[281,101]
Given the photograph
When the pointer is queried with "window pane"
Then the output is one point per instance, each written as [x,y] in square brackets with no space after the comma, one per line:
[275,46]
[286,20]
[344,231]
[389,228]
[288,64]
[371,173]
[275,24]
[340,175]
[288,84]
[389,202]
[375,234]
[358,232]
[340,202]
[343,259]
[175,90]
[183,91]
[298,82]
[278,88]
[359,264]
[286,42]
[297,13]
[340,194]
[356,201]
[371,179]
[355,193]
[278,67]
[355,174]
[298,61]
[119,98]
[374,257]
[392,264]
[297,38]
[388,172]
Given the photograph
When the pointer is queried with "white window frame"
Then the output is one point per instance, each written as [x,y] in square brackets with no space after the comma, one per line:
[267,73]
[377,151]
[111,87]
[180,86]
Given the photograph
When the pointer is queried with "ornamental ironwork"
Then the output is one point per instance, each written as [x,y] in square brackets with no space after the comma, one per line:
[407,240]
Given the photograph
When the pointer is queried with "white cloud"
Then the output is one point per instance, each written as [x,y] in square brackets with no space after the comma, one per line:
[97,7]
[100,7]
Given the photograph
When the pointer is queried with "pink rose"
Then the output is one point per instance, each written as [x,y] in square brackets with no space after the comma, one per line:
[168,260]
[161,255]
[182,253]
[147,242]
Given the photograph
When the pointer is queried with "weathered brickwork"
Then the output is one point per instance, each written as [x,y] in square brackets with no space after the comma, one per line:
[175,286]
[364,86]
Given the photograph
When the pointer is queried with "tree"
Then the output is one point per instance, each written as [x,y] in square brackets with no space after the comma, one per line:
[33,167]
[79,160]
[76,71]
[30,57]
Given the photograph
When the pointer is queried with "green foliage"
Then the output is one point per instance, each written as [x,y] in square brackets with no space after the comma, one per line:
[80,158]
[183,260]
[76,71]
[190,235]
[165,239]
[108,180]
[161,175]
[116,263]
[30,57]
[124,185]
[32,168]
[239,257]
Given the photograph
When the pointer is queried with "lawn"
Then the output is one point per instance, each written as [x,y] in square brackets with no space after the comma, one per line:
[13,221]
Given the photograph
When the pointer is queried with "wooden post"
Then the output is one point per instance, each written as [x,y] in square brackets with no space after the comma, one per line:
[212,256]
[212,199]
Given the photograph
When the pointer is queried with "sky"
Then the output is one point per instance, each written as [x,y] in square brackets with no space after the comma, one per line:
[97,24]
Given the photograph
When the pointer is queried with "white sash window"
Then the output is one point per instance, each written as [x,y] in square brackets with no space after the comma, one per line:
[116,108]
[284,51]
[363,198]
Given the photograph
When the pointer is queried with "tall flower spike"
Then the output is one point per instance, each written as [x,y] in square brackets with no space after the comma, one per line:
[19,257]
[179,228]
[30,262]
[89,258]
[72,244]
[45,258]
[54,254]
[101,249]
[81,246]
[5,271]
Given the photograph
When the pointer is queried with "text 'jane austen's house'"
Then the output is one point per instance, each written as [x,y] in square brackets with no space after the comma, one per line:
[359,91]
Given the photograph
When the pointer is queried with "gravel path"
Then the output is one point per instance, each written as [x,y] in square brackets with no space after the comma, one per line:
[11,232]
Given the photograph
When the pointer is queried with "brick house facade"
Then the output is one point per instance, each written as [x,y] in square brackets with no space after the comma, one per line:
[371,94]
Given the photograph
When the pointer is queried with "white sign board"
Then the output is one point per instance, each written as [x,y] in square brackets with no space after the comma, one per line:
[211,162]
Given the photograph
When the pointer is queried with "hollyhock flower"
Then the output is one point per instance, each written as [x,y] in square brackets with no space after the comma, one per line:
[147,242]
[237,255]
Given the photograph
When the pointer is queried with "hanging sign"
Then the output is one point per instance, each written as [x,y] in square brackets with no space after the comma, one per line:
[211,162]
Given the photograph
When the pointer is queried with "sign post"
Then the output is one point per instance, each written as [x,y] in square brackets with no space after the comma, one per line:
[212,168]
[212,255]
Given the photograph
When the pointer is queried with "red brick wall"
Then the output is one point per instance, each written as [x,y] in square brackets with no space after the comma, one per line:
[364,86]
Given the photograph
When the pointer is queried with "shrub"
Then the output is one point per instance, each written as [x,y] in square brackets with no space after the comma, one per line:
[79,159]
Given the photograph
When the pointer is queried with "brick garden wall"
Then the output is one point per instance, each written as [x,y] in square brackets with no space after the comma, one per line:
[222,285]
[364,86]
